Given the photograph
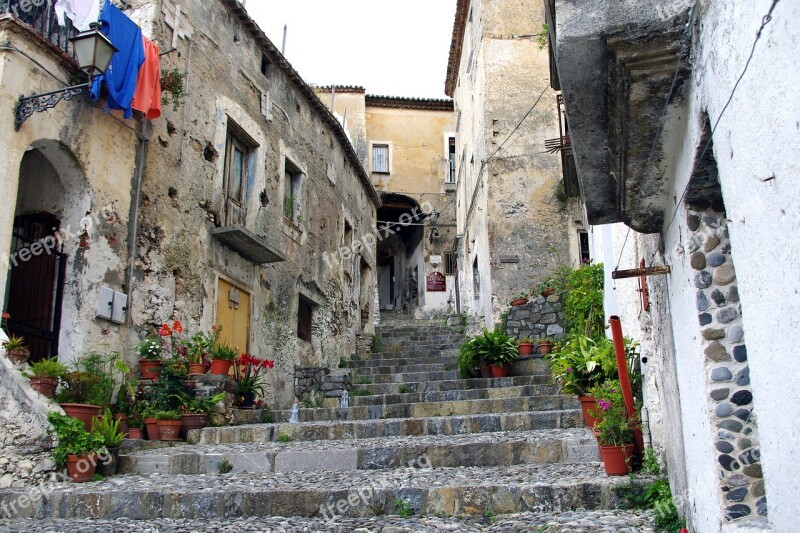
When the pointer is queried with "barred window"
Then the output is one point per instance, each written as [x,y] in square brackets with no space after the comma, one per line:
[449,263]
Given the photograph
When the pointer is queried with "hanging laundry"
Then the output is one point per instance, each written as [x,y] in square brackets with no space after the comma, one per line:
[122,75]
[147,97]
[82,13]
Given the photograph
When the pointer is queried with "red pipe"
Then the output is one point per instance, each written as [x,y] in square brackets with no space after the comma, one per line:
[624,378]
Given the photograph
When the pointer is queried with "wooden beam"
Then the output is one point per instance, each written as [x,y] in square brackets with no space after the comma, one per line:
[636,272]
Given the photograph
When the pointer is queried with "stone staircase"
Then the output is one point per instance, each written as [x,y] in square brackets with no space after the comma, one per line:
[416,440]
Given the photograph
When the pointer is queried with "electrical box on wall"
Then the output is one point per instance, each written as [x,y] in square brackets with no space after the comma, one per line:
[112,305]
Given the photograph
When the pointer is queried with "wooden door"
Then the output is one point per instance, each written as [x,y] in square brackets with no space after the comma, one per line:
[233,314]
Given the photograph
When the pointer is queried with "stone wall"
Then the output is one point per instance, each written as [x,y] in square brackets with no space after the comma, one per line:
[730,394]
[311,384]
[542,317]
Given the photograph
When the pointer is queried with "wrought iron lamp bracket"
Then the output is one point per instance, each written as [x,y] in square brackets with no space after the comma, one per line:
[28,105]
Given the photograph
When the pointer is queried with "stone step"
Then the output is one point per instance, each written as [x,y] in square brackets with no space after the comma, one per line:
[404,359]
[406,368]
[457,384]
[409,396]
[407,377]
[433,409]
[441,491]
[396,427]
[610,520]
[435,451]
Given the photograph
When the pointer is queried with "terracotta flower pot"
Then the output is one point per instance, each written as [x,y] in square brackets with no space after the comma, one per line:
[518,302]
[149,368]
[135,434]
[525,348]
[81,468]
[169,429]
[588,403]
[45,386]
[616,459]
[221,367]
[548,292]
[189,422]
[499,371]
[153,433]
[545,347]
[198,369]
[83,412]
[18,356]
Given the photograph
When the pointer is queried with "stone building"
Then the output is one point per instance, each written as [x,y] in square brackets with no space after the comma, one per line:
[408,145]
[516,224]
[234,198]
[685,141]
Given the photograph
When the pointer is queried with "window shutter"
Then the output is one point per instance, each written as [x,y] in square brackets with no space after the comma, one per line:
[380,158]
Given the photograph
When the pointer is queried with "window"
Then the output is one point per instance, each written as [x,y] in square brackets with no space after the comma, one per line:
[449,263]
[380,158]
[476,280]
[236,152]
[583,244]
[348,235]
[451,174]
[265,65]
[305,312]
[292,190]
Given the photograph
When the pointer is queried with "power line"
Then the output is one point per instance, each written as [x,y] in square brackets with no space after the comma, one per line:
[766,20]
[519,124]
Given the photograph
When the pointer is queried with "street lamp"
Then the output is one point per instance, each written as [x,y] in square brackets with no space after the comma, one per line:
[93,52]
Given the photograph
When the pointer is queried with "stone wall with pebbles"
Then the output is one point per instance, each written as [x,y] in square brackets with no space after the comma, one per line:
[730,393]
[542,317]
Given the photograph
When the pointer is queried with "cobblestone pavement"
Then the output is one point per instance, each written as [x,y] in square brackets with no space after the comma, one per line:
[567,522]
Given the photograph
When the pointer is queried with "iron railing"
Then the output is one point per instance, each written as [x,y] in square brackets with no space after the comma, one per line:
[42,19]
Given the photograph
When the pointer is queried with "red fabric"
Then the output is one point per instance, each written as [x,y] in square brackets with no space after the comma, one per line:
[147,97]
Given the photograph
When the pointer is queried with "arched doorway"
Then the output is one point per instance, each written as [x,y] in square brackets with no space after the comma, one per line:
[400,254]
[51,201]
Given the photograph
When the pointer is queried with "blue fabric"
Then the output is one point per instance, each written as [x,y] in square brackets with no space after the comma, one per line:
[123,72]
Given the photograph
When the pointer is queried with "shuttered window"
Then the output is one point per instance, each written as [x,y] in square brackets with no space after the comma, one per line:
[380,158]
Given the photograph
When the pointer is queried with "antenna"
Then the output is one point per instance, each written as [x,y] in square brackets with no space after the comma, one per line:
[285,31]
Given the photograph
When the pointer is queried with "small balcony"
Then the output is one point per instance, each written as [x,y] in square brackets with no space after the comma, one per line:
[42,20]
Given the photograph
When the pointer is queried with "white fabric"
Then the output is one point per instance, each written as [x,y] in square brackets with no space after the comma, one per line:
[81,12]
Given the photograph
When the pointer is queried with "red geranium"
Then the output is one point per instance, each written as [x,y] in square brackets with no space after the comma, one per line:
[165,331]
[177,327]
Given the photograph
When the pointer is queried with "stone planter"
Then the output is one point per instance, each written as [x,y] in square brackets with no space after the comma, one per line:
[81,468]
[221,367]
[45,386]
[169,430]
[149,368]
[616,459]
[83,412]
[18,356]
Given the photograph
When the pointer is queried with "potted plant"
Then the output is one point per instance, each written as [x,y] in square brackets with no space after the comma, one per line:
[498,349]
[80,396]
[519,299]
[150,421]
[77,448]
[16,350]
[135,428]
[169,425]
[222,358]
[580,364]
[194,411]
[108,428]
[149,351]
[614,428]
[249,381]
[525,346]
[545,346]
[198,349]
[44,376]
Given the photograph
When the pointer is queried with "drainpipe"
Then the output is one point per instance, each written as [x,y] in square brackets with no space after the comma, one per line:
[133,220]
[624,378]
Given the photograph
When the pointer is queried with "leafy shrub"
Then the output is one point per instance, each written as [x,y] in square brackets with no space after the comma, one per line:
[582,363]
[73,439]
[47,368]
[583,303]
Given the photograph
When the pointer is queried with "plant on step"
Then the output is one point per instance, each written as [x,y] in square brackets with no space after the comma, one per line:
[343,363]
[659,498]
[377,345]
[224,466]
[582,363]
[403,507]
[73,439]
[14,344]
[404,390]
[614,426]
[467,359]
[198,347]
[46,368]
[108,428]
[266,417]
[284,438]
[167,415]
[519,296]
[359,392]
[650,465]
[190,405]
[247,373]
[496,347]
[150,348]
[362,380]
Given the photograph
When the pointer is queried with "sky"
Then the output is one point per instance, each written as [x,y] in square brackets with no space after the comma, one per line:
[395,48]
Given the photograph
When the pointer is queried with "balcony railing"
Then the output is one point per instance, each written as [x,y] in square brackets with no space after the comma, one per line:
[42,19]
